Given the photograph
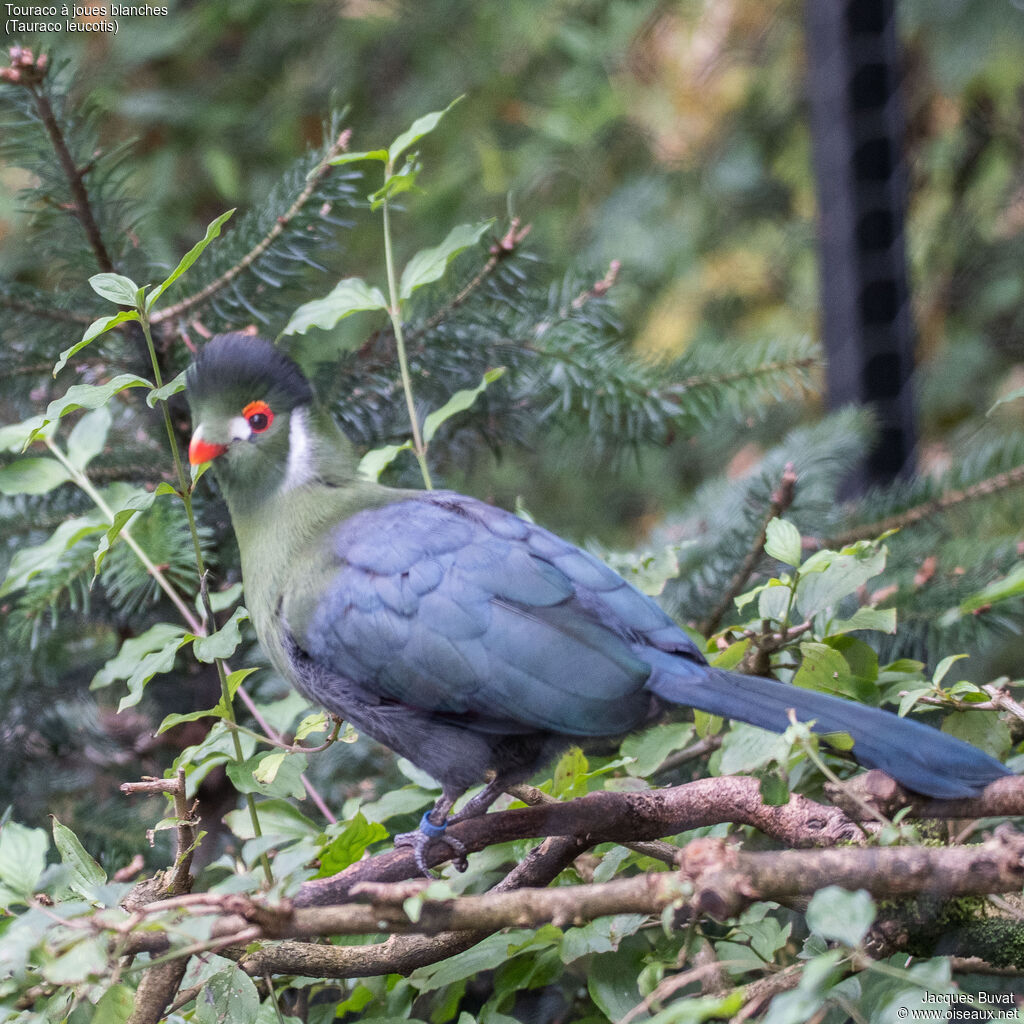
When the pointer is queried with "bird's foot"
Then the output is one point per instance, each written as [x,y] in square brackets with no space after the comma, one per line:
[421,839]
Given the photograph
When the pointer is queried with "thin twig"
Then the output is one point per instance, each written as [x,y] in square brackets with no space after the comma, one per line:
[318,174]
[781,499]
[982,489]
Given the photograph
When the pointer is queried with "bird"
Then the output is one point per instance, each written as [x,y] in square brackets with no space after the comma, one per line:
[474,643]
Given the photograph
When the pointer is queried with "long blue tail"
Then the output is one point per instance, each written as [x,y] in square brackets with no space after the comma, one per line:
[916,755]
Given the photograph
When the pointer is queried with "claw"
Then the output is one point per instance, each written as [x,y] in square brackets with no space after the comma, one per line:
[421,839]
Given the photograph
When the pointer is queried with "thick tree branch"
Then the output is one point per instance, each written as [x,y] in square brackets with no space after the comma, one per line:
[613,817]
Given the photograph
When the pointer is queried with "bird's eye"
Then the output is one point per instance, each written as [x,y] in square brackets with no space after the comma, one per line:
[258,415]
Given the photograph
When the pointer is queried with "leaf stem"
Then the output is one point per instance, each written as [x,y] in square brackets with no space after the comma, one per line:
[83,482]
[395,313]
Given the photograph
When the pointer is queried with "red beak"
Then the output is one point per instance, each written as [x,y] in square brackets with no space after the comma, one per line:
[200,451]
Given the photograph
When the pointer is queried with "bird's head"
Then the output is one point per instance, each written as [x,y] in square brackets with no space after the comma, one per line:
[250,406]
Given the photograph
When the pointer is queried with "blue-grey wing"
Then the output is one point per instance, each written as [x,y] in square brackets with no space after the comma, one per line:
[447,604]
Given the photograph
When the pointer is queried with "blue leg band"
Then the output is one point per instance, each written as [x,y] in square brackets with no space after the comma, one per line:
[428,828]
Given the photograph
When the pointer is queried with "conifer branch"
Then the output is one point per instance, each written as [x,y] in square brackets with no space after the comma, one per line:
[984,488]
[30,71]
[781,499]
[318,174]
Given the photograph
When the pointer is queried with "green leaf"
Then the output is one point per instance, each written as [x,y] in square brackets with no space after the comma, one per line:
[395,185]
[602,935]
[234,680]
[22,860]
[349,845]
[88,437]
[370,154]
[351,295]
[86,958]
[316,722]
[133,650]
[774,790]
[16,437]
[650,747]
[92,332]
[459,402]
[153,664]
[275,773]
[277,818]
[116,287]
[32,476]
[824,668]
[944,666]
[189,258]
[746,748]
[223,642]
[840,915]
[983,729]
[1011,585]
[773,601]
[824,582]
[429,264]
[1010,396]
[92,396]
[420,127]
[486,955]
[86,874]
[570,775]
[170,388]
[782,542]
[373,463]
[881,619]
[134,502]
[29,562]
[115,1005]
[229,997]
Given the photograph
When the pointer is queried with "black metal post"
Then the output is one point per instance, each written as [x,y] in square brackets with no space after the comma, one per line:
[857,129]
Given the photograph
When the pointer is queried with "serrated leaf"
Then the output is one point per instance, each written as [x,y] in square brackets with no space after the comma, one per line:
[349,845]
[92,332]
[170,388]
[115,287]
[841,916]
[86,874]
[36,475]
[429,264]
[459,402]
[212,231]
[782,542]
[351,295]
[420,127]
[374,462]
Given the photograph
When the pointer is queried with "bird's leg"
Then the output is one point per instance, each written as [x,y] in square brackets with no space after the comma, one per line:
[432,826]
[478,804]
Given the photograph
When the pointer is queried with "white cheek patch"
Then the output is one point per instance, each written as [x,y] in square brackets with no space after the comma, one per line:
[300,452]
[240,429]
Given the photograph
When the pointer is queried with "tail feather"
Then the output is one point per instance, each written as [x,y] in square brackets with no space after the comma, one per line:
[919,757]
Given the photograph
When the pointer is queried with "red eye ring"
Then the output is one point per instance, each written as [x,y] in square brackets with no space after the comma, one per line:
[259,416]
